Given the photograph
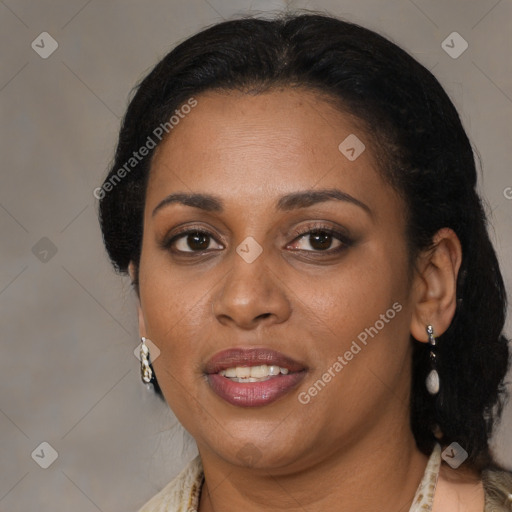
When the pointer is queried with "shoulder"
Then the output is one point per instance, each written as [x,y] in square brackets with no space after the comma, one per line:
[498,490]
[181,494]
[489,490]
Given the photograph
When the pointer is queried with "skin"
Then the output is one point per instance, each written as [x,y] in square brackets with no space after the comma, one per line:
[249,151]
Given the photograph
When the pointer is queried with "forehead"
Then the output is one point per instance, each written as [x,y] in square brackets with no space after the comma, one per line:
[259,145]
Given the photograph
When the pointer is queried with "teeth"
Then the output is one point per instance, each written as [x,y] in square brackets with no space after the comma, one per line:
[242,372]
[252,373]
[275,370]
[230,372]
[249,379]
[257,372]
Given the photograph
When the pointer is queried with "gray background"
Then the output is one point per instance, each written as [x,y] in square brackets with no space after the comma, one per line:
[68,375]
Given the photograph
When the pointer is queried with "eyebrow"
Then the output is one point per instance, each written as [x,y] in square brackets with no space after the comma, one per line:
[292,201]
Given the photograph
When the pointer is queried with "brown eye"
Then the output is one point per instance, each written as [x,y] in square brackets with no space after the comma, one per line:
[197,241]
[320,240]
[317,241]
[191,241]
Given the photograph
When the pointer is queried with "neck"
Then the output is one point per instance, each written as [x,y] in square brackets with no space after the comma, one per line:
[376,473]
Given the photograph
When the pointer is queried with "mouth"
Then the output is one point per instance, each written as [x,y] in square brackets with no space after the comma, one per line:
[253,377]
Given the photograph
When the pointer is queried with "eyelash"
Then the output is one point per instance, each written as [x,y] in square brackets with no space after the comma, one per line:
[322,228]
[308,230]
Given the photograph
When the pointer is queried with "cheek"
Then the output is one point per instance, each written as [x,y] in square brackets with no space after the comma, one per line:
[361,361]
[361,314]
[352,297]
[175,316]
[177,310]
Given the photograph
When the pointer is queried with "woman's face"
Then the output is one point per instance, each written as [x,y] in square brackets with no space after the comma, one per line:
[300,263]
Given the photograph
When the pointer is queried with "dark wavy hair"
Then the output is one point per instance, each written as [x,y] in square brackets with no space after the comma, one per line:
[424,153]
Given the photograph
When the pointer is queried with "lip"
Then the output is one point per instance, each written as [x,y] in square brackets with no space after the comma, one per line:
[250,357]
[253,394]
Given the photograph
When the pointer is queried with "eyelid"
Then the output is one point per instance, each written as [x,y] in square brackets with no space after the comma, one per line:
[337,233]
[181,232]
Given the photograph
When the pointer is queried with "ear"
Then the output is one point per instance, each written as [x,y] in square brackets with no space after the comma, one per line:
[435,285]
[142,324]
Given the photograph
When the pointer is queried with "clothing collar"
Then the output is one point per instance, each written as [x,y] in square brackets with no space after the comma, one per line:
[424,497]
[184,492]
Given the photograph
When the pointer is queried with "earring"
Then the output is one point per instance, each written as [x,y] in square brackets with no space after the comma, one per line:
[146,372]
[432,382]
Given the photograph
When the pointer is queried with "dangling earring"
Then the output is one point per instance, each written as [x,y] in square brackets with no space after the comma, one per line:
[146,372]
[432,382]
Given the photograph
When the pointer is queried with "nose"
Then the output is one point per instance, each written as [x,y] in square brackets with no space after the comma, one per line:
[251,294]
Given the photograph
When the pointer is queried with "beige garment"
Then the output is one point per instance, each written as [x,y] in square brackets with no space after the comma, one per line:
[182,494]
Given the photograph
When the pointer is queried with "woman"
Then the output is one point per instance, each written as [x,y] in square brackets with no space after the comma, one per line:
[320,305]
